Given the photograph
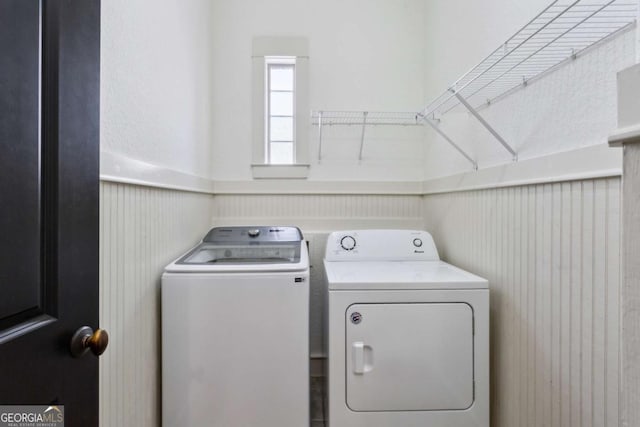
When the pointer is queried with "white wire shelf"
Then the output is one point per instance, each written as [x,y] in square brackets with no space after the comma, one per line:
[369,118]
[558,34]
[363,119]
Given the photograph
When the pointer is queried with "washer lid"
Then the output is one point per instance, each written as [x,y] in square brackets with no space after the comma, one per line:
[345,275]
[250,248]
[275,257]
[271,253]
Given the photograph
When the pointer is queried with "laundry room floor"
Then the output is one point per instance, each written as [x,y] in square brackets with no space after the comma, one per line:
[317,401]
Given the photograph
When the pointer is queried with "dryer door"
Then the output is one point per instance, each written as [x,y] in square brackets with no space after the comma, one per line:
[409,357]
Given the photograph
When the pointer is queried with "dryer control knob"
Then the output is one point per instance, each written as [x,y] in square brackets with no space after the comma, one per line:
[254,233]
[417,242]
[348,243]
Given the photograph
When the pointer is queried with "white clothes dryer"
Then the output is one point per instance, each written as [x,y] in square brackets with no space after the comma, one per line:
[408,334]
[235,331]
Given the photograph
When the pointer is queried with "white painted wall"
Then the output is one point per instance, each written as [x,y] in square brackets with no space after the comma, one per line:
[363,56]
[156,92]
[570,108]
[630,317]
[176,84]
[628,134]
[460,33]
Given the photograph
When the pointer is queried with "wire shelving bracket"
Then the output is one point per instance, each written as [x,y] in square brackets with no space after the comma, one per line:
[558,34]
[434,126]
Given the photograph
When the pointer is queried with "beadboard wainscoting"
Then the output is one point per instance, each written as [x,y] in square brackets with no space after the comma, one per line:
[319,212]
[141,230]
[317,215]
[551,253]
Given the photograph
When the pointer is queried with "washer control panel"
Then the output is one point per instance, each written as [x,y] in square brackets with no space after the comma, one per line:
[254,235]
[401,245]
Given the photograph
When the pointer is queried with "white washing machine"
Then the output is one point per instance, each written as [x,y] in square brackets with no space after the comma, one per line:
[408,334]
[235,331]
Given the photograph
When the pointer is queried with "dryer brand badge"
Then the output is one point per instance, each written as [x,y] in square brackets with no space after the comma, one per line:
[356,317]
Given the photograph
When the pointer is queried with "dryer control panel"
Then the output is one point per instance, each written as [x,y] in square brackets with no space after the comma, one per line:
[387,245]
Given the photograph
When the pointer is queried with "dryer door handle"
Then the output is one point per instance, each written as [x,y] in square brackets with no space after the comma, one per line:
[361,358]
[357,357]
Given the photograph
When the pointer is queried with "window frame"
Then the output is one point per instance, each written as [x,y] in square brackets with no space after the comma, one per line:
[277,62]
[296,47]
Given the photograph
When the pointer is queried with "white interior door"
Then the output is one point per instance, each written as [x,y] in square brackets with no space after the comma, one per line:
[409,357]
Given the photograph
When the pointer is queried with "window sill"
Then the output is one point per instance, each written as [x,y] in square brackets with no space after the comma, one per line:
[299,171]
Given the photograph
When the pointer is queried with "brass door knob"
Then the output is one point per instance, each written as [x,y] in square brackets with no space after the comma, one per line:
[86,339]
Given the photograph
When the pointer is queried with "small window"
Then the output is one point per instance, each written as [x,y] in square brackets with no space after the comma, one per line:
[280,117]
[280,110]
